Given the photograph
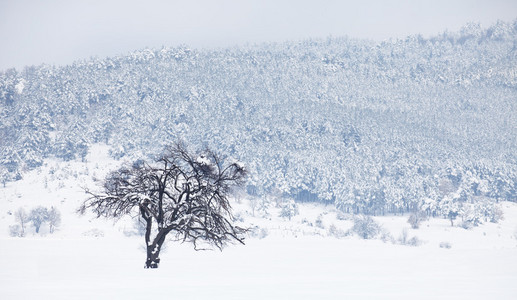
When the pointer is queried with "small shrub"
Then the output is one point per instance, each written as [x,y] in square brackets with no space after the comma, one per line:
[337,232]
[16,231]
[305,221]
[386,237]
[496,214]
[319,223]
[416,218]
[414,241]
[466,225]
[366,227]
[445,245]
[404,239]
[259,233]
[289,210]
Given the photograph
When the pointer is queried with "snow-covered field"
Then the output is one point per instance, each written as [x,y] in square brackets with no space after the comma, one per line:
[275,268]
[302,258]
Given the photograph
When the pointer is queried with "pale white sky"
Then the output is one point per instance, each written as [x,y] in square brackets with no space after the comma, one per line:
[61,31]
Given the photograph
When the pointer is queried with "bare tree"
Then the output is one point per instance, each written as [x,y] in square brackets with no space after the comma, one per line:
[38,216]
[54,219]
[180,193]
[22,217]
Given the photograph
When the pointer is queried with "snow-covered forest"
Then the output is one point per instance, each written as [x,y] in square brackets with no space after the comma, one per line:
[398,126]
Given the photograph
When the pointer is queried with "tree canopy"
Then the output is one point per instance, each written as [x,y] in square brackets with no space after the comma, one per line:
[179,193]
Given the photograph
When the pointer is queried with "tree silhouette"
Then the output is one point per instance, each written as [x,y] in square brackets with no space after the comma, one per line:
[179,193]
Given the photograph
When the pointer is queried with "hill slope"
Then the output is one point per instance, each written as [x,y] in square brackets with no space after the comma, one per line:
[374,128]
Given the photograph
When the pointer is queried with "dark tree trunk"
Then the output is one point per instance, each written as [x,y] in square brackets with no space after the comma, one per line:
[153,250]
[153,257]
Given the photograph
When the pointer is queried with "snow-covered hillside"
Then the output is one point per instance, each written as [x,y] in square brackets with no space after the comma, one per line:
[372,127]
[314,254]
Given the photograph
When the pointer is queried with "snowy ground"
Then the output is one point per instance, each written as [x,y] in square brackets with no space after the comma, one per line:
[298,259]
[308,268]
